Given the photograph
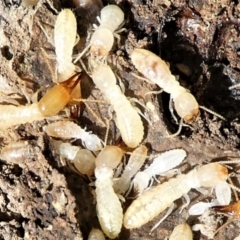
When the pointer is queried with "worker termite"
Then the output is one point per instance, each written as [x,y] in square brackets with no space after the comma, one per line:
[135,162]
[96,234]
[157,199]
[67,130]
[181,231]
[111,17]
[49,105]
[128,120]
[162,163]
[82,159]
[109,209]
[65,37]
[14,153]
[157,71]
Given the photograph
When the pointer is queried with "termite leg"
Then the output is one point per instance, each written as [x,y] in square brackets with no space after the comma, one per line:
[172,110]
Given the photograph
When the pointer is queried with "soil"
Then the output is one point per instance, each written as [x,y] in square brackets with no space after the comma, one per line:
[42,198]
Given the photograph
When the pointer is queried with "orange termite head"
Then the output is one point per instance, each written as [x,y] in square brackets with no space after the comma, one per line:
[231,210]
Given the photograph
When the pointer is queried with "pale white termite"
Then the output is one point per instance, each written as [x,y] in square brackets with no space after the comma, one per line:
[15,152]
[49,105]
[157,199]
[96,234]
[182,231]
[161,164]
[65,35]
[67,130]
[111,17]
[83,159]
[128,120]
[109,209]
[135,162]
[223,197]
[158,72]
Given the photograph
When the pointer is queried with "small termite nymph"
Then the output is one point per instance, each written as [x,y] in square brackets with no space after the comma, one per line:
[154,201]
[49,105]
[157,71]
[181,231]
[111,17]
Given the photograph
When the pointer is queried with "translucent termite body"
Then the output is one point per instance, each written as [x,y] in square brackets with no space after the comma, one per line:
[49,105]
[83,159]
[163,163]
[223,197]
[65,33]
[157,71]
[96,234]
[111,17]
[109,209]
[14,153]
[181,231]
[157,199]
[135,162]
[67,130]
[128,120]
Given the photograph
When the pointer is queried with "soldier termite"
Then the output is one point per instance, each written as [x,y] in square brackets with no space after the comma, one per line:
[128,120]
[154,201]
[111,17]
[67,130]
[157,71]
[135,162]
[109,209]
[49,105]
[181,231]
[161,164]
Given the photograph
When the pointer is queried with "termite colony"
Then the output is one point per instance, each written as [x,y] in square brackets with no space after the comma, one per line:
[114,181]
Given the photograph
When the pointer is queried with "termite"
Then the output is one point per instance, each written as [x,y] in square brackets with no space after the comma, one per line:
[161,164]
[181,231]
[135,162]
[67,130]
[49,105]
[96,234]
[157,71]
[83,159]
[154,201]
[65,38]
[109,209]
[128,120]
[111,17]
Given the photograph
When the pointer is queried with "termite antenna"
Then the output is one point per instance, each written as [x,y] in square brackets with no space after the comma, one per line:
[234,188]
[178,131]
[212,112]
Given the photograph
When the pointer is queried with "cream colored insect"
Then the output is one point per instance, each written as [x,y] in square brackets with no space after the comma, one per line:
[128,120]
[135,162]
[161,164]
[49,105]
[96,234]
[109,209]
[67,130]
[181,231]
[83,159]
[111,17]
[151,203]
[65,37]
[157,71]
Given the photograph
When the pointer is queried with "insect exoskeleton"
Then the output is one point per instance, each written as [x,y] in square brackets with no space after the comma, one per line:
[109,209]
[128,120]
[157,71]
[49,105]
[157,199]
